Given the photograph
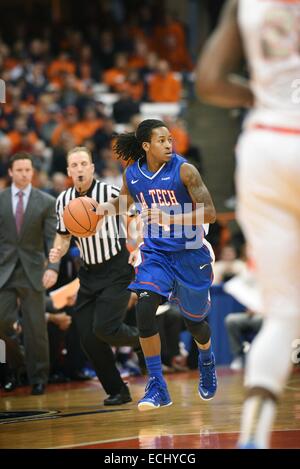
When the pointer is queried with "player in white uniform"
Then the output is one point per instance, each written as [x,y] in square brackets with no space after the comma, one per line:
[268,181]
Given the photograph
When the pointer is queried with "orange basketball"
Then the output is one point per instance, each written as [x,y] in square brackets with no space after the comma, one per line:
[80,218]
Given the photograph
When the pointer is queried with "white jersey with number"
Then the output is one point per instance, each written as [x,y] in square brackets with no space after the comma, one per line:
[271,35]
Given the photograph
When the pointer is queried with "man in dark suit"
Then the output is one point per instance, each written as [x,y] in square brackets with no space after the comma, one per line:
[27,227]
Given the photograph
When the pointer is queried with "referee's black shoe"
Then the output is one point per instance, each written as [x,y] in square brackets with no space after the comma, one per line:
[121,398]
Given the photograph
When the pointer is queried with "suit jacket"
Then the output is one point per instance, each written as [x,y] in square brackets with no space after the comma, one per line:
[36,236]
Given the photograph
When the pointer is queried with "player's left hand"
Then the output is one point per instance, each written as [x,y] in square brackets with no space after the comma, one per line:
[154,215]
[49,278]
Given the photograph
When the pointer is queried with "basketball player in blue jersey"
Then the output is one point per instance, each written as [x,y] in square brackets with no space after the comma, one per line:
[175,259]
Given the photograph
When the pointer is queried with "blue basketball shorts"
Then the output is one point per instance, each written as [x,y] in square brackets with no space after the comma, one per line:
[182,277]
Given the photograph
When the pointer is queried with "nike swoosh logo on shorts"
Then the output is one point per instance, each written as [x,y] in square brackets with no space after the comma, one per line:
[202,266]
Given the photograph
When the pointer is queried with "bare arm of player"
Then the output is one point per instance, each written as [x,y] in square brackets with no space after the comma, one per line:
[60,247]
[199,194]
[118,205]
[134,255]
[204,213]
[221,57]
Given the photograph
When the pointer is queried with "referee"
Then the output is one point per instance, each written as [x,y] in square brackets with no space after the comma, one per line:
[104,276]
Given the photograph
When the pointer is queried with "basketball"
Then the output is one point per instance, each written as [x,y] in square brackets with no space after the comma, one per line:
[80,217]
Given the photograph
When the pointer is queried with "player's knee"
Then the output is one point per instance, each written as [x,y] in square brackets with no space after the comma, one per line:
[199,330]
[147,305]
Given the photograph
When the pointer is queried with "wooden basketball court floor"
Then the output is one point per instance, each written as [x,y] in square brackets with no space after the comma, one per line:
[73,416]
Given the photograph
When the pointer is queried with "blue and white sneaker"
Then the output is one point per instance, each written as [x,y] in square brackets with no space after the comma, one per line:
[156,395]
[208,379]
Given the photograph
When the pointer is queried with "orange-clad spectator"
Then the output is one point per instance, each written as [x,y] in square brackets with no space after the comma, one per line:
[170,43]
[80,130]
[141,26]
[164,86]
[9,63]
[136,32]
[181,139]
[26,141]
[21,137]
[116,76]
[68,125]
[133,85]
[139,57]
[87,127]
[60,66]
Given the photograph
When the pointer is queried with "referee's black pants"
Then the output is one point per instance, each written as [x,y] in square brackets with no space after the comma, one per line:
[101,307]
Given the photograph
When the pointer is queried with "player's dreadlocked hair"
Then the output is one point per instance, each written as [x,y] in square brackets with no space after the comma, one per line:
[128,146]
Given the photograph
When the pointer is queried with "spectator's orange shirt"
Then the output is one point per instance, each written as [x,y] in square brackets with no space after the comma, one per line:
[58,66]
[80,131]
[9,63]
[179,59]
[136,90]
[15,139]
[86,129]
[114,77]
[63,127]
[136,61]
[164,89]
[171,45]
[169,36]
[181,140]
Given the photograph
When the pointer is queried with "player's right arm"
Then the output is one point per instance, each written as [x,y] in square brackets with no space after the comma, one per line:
[60,247]
[222,55]
[118,205]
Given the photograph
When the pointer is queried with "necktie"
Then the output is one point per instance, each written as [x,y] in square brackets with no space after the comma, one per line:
[19,211]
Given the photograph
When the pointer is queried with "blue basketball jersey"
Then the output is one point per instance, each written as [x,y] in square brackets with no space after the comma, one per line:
[166,190]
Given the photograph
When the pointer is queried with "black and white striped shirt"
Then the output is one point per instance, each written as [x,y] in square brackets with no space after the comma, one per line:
[107,242]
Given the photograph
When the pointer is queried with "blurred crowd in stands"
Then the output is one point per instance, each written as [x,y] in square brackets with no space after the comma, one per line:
[67,87]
